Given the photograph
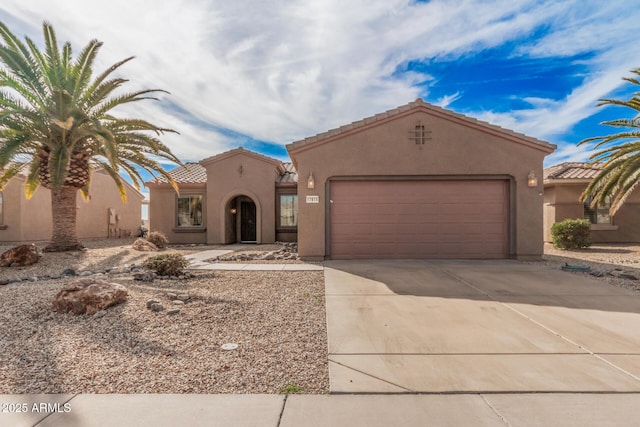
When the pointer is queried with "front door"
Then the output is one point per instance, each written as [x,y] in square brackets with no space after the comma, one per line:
[247,221]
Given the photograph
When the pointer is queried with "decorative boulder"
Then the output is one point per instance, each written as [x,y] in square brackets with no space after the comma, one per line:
[144,245]
[88,296]
[20,256]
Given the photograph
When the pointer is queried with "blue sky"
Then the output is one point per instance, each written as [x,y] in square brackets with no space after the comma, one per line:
[266,73]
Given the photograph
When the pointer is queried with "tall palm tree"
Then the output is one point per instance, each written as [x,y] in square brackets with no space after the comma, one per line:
[56,120]
[619,154]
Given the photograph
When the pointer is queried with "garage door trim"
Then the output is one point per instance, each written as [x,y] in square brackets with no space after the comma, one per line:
[511,191]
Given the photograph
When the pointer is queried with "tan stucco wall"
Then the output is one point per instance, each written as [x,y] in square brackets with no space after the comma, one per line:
[384,149]
[562,201]
[12,200]
[163,212]
[30,220]
[225,182]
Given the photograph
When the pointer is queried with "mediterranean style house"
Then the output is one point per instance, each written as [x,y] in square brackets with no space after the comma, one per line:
[563,185]
[103,215]
[417,181]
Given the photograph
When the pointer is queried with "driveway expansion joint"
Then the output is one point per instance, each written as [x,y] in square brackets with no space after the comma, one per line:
[371,376]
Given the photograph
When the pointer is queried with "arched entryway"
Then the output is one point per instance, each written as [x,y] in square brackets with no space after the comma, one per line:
[242,220]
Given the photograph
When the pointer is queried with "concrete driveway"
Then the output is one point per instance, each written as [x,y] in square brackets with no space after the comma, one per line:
[477,326]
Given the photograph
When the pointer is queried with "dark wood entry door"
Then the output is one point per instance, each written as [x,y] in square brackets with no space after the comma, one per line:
[247,221]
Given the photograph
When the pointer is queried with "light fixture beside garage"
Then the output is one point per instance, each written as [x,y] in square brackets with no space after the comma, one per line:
[532,180]
[311,182]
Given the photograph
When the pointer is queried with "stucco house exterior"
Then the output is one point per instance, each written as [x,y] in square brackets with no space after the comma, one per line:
[563,185]
[103,215]
[417,181]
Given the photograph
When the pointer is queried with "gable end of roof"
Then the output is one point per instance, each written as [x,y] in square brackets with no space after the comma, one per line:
[418,105]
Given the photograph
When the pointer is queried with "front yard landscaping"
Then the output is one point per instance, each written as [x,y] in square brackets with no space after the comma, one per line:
[277,320]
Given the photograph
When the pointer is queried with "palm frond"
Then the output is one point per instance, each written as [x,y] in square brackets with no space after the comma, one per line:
[32,182]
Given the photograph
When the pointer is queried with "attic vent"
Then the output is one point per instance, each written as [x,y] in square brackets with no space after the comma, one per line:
[420,134]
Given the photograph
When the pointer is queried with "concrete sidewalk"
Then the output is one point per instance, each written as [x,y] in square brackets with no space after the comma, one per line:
[320,410]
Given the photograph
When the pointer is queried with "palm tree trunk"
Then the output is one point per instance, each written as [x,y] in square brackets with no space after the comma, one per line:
[63,212]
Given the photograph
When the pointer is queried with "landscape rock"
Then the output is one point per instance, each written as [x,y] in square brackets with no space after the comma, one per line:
[183,297]
[89,296]
[146,276]
[173,311]
[144,245]
[171,295]
[85,273]
[69,272]
[151,302]
[20,256]
[178,302]
[157,307]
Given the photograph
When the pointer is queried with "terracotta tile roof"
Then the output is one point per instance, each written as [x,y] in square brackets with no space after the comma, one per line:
[190,173]
[290,175]
[241,151]
[435,110]
[195,173]
[572,170]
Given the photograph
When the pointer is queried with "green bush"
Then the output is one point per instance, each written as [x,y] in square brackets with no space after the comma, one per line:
[166,264]
[158,239]
[571,234]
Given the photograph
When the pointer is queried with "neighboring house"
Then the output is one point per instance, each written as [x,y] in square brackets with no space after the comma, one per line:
[417,181]
[563,185]
[103,215]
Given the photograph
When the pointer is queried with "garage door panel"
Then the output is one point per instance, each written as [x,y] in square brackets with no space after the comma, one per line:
[419,219]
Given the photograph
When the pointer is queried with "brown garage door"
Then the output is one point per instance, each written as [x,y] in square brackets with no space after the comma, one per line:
[419,219]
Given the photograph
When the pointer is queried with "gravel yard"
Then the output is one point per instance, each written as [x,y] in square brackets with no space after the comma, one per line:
[600,257]
[276,318]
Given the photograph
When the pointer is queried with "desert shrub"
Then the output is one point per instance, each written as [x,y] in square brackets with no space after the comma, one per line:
[158,239]
[571,234]
[166,264]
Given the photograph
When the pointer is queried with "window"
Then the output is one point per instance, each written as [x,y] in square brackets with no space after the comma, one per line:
[599,214]
[288,210]
[190,211]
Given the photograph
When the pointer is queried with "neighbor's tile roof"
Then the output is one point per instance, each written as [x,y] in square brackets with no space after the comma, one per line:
[290,176]
[190,173]
[572,170]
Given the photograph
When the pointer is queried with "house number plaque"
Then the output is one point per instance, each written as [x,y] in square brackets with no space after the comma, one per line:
[313,199]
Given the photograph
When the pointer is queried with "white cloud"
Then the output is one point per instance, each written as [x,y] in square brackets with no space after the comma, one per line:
[448,99]
[280,70]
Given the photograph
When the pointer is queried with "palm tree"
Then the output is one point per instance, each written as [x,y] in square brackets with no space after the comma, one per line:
[56,120]
[619,155]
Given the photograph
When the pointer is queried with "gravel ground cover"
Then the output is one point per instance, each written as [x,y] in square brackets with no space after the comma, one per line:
[276,318]
[611,258]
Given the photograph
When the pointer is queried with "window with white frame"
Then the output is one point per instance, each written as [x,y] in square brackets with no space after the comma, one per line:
[288,210]
[190,211]
[598,214]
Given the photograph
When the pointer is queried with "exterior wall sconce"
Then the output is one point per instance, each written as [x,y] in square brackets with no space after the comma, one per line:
[532,180]
[311,182]
[233,211]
